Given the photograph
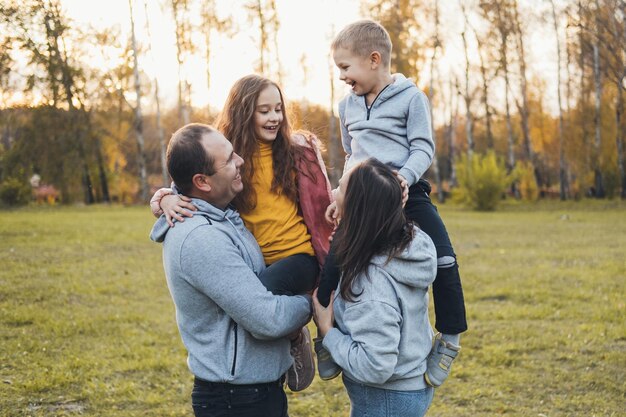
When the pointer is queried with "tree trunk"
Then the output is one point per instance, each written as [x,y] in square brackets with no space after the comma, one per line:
[619,137]
[524,111]
[597,157]
[469,123]
[485,85]
[583,97]
[159,126]
[563,186]
[454,112]
[431,94]
[262,68]
[138,122]
[183,111]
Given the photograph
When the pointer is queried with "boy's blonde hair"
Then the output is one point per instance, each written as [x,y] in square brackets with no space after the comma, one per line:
[364,37]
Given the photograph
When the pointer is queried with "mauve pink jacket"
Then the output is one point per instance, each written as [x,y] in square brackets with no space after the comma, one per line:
[314,192]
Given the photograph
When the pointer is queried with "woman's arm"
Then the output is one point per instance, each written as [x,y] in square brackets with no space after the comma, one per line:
[370,350]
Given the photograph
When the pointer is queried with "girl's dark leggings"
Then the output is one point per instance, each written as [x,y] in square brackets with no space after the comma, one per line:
[295,274]
[447,289]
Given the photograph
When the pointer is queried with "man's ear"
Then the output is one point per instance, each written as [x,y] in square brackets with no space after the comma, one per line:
[201,182]
[375,59]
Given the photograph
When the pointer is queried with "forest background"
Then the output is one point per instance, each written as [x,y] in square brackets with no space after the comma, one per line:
[537,84]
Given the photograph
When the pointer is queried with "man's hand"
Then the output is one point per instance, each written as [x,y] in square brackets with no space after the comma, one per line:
[174,206]
[405,187]
[323,316]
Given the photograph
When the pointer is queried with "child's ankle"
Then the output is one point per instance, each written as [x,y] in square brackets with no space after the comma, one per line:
[454,339]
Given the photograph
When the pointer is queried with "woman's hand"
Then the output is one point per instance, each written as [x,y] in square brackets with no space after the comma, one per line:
[174,206]
[332,214]
[323,316]
[405,187]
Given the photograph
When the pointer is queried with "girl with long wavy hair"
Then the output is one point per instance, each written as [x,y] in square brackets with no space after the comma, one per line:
[285,194]
[383,335]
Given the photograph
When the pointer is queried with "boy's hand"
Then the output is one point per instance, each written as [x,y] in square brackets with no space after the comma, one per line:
[405,187]
[332,214]
[174,206]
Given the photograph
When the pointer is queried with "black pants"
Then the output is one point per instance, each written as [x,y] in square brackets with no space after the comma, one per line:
[295,274]
[211,399]
[447,290]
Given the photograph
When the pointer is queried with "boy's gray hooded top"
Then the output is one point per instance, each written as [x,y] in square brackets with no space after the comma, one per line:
[233,328]
[396,129]
[383,337]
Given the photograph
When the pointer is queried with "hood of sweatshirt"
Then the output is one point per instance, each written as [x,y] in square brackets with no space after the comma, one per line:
[400,83]
[416,265]
[212,213]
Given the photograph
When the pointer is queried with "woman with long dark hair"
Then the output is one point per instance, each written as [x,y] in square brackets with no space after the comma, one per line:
[383,335]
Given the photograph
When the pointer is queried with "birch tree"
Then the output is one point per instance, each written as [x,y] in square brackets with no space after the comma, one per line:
[524,109]
[138,122]
[564,187]
[211,23]
[431,95]
[597,82]
[485,76]
[184,47]
[157,101]
[498,14]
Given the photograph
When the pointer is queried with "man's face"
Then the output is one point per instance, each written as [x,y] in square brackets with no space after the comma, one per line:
[226,181]
[355,71]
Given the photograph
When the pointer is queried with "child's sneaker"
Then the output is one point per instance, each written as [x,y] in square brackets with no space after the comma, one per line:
[302,372]
[439,361]
[326,367]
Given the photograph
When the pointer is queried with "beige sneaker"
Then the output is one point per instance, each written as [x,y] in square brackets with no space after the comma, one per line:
[439,361]
[301,373]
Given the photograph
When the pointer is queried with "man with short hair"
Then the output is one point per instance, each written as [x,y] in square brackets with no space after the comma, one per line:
[234,329]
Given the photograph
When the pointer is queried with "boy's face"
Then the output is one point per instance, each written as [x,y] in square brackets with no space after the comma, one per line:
[356,71]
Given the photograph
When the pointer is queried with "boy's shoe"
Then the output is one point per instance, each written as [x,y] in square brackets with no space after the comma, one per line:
[439,361]
[301,373]
[326,367]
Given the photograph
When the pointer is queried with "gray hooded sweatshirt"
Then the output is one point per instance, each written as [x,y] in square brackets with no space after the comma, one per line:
[396,129]
[382,338]
[233,328]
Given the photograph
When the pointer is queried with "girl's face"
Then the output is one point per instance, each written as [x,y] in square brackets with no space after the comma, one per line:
[268,114]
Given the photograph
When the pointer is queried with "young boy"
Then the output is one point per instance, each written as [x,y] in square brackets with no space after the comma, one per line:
[387,117]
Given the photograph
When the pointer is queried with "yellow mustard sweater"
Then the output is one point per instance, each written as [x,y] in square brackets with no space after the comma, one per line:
[275,222]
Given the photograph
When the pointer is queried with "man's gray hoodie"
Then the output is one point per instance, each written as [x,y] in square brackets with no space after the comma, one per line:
[383,337]
[396,129]
[233,328]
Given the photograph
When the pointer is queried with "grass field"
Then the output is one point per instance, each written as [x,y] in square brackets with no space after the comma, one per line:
[87,324]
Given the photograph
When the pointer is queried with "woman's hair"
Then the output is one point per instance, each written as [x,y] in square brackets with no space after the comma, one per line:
[236,122]
[372,222]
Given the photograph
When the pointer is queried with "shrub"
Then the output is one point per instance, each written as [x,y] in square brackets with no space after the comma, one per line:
[524,173]
[14,192]
[482,181]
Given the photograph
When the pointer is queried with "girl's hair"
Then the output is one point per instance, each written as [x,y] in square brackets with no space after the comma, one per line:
[236,122]
[372,223]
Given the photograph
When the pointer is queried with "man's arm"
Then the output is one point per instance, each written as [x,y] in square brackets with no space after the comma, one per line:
[214,266]
[420,137]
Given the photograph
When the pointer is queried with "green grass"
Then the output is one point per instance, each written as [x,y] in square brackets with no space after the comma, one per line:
[87,324]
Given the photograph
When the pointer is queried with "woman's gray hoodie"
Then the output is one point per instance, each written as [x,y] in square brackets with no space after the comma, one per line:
[382,338]
[233,328]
